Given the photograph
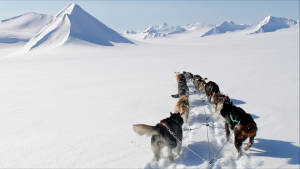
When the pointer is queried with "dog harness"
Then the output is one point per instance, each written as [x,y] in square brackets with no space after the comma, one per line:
[234,121]
[169,130]
[165,126]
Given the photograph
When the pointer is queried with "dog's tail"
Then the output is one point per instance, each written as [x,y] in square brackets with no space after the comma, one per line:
[143,129]
[175,95]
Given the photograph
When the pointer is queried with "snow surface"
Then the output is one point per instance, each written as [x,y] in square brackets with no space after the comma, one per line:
[227,26]
[23,27]
[75,24]
[73,107]
[272,23]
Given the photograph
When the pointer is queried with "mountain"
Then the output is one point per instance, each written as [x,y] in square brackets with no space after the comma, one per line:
[272,23]
[225,27]
[157,31]
[22,27]
[165,30]
[73,24]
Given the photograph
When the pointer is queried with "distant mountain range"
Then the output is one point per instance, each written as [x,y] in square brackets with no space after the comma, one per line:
[227,26]
[75,24]
[269,24]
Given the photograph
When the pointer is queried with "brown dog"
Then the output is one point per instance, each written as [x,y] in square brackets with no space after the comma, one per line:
[200,84]
[183,89]
[182,107]
[241,123]
[218,100]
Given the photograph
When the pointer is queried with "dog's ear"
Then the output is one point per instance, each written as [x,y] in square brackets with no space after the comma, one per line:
[170,113]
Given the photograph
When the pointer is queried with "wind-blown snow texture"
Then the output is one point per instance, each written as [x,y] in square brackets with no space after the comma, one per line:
[22,28]
[225,27]
[73,23]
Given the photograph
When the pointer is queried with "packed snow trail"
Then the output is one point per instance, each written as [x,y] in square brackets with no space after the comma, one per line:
[205,135]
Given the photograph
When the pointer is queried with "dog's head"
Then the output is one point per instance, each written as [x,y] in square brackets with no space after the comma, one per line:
[188,75]
[227,100]
[177,118]
[202,84]
[226,109]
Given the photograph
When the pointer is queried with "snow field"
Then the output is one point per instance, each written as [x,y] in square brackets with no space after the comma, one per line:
[74,106]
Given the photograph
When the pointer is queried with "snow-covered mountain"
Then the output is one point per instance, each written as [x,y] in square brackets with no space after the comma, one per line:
[157,31]
[22,27]
[227,26]
[197,26]
[73,23]
[272,23]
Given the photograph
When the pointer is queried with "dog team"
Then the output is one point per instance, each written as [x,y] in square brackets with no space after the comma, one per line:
[168,132]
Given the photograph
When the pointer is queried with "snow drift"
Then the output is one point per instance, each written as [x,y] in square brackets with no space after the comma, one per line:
[272,23]
[73,23]
[225,27]
[22,27]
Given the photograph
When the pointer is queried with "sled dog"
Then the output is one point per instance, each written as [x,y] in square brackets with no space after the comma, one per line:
[182,107]
[211,88]
[241,123]
[218,100]
[183,89]
[167,133]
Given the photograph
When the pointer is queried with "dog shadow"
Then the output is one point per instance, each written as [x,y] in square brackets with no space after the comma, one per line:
[198,102]
[237,102]
[189,159]
[254,116]
[277,149]
[200,118]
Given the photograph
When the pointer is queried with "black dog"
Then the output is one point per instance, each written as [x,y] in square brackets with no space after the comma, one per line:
[211,88]
[241,123]
[167,133]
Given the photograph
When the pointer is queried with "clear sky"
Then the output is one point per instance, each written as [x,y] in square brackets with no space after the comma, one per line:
[138,14]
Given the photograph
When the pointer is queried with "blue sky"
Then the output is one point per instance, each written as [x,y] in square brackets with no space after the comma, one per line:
[132,14]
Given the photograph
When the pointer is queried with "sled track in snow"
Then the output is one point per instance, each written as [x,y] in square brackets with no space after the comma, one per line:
[205,134]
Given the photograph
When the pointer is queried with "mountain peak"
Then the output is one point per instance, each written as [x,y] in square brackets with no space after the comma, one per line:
[272,23]
[69,10]
[227,26]
[73,24]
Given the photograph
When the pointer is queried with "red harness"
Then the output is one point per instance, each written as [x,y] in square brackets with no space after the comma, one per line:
[165,125]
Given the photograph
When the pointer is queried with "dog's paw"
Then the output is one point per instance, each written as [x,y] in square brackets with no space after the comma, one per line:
[246,148]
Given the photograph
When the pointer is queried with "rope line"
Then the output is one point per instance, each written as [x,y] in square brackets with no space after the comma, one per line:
[192,151]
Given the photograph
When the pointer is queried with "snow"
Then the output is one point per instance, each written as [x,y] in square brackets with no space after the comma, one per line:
[74,106]
[272,23]
[157,31]
[75,24]
[21,28]
[227,26]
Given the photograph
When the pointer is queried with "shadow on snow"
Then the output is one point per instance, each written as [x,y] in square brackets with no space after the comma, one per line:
[277,149]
